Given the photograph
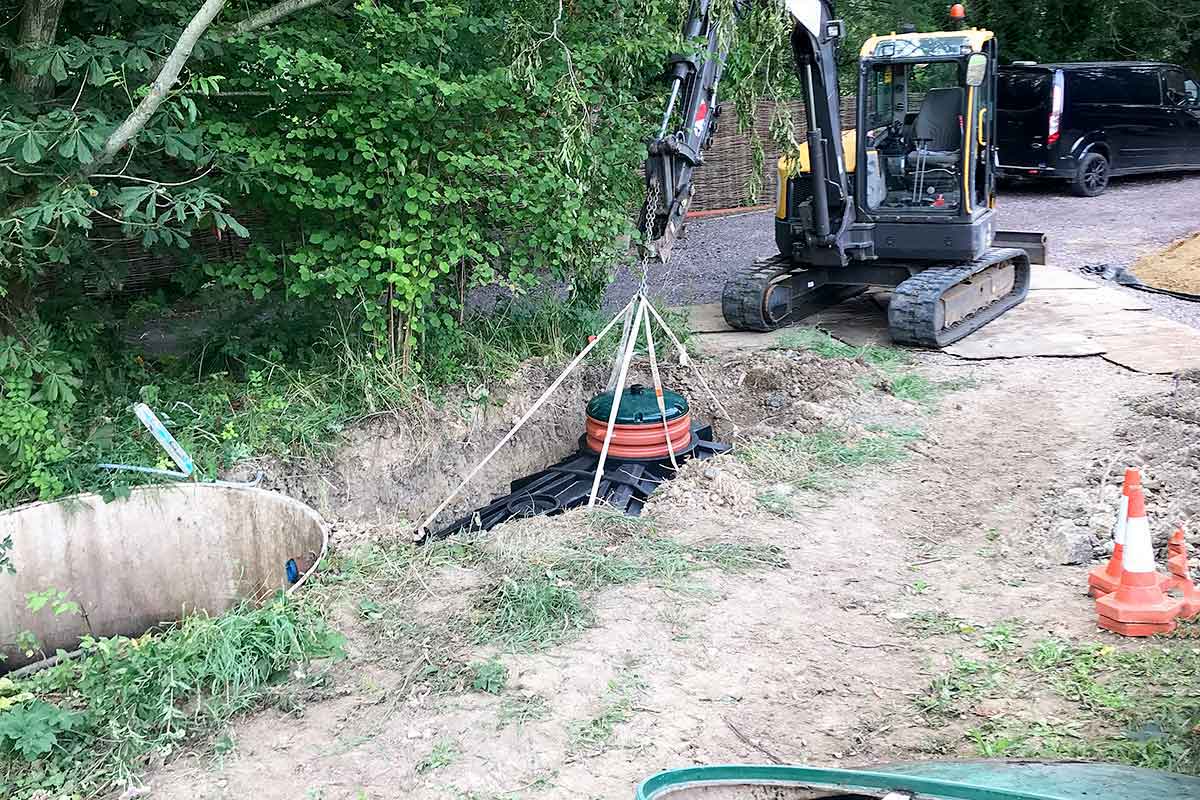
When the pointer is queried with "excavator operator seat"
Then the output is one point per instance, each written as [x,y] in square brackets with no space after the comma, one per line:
[937,130]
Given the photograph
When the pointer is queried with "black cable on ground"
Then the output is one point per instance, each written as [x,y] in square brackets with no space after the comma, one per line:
[1141,287]
[1123,277]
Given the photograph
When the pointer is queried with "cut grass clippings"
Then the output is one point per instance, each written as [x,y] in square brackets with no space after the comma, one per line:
[521,710]
[530,612]
[925,624]
[531,594]
[539,599]
[593,735]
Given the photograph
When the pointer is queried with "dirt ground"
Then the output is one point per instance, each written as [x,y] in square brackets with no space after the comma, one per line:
[1177,268]
[998,491]
[815,662]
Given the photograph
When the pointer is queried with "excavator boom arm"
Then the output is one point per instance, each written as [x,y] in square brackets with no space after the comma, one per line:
[689,122]
[814,48]
[687,128]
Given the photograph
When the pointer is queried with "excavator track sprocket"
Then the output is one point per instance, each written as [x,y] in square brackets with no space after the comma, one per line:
[763,297]
[940,305]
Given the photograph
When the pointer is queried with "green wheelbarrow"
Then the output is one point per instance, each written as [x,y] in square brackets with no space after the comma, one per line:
[944,780]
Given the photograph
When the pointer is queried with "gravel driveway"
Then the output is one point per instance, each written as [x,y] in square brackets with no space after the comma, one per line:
[1134,217]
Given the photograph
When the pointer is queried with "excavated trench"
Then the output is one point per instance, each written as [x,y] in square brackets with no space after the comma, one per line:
[395,468]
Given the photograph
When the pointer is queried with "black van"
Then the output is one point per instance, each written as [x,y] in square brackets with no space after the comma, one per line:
[1087,122]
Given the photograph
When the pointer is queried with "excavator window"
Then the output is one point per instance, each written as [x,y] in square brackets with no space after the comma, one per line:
[915,126]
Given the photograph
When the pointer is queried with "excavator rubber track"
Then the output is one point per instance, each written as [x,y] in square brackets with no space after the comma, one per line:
[744,301]
[932,308]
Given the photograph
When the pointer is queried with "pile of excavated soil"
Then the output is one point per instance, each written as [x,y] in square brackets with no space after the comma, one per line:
[768,390]
[1162,437]
[1177,268]
[715,485]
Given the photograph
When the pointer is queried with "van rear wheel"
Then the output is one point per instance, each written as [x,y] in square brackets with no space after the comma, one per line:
[1092,176]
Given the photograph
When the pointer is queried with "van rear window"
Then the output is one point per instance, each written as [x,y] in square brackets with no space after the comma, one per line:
[1023,91]
[1135,86]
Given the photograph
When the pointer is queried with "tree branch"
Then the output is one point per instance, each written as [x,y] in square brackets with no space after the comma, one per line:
[167,77]
[272,15]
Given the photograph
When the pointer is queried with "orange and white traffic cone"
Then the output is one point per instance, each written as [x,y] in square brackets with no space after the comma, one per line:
[1138,606]
[1181,579]
[1104,579]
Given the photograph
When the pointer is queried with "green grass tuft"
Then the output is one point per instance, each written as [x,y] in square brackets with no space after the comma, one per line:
[443,754]
[912,387]
[937,623]
[888,364]
[1003,637]
[824,345]
[540,598]
[489,676]
[611,522]
[966,681]
[595,563]
[530,612]
[1096,702]
[87,725]
[813,461]
[918,389]
[780,504]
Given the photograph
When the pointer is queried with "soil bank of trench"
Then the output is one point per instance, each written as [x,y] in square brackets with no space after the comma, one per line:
[810,663]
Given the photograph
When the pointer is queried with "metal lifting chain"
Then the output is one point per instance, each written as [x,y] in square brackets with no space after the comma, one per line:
[653,195]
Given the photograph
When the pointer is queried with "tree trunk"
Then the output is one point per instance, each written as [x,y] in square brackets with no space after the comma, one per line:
[39,24]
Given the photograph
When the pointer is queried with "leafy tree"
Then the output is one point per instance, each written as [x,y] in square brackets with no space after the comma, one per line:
[401,153]
[398,154]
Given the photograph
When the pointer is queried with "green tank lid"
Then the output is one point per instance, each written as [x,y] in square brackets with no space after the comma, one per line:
[638,406]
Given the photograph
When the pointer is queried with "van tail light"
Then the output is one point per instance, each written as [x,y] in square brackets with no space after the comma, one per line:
[1056,106]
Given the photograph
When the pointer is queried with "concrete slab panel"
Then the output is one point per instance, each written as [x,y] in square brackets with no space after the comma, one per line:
[1152,344]
[859,323]
[706,318]
[1044,277]
[724,342]
[1065,315]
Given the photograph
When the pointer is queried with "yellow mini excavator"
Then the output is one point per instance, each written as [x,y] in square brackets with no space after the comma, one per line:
[905,201]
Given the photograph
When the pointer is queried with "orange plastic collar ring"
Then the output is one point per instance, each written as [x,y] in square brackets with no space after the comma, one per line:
[640,441]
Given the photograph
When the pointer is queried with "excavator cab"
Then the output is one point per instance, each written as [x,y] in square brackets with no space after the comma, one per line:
[920,175]
[926,112]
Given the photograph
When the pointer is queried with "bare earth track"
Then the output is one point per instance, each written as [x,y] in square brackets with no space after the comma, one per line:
[812,663]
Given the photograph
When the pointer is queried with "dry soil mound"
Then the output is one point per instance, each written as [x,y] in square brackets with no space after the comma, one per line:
[1177,268]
